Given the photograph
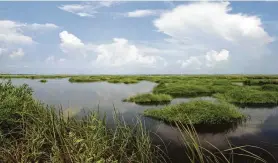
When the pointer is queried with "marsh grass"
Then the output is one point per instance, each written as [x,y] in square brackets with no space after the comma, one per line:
[196,152]
[270,87]
[33,132]
[199,112]
[109,79]
[261,81]
[183,90]
[149,98]
[249,97]
[43,80]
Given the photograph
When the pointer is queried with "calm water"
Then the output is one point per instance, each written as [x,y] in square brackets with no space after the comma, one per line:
[260,130]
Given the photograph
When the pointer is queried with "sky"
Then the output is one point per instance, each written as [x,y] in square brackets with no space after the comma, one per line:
[166,37]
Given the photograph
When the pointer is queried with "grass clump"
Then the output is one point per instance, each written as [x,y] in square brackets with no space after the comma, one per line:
[197,112]
[249,97]
[183,90]
[43,80]
[150,98]
[33,132]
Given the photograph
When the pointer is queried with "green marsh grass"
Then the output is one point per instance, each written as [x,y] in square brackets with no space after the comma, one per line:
[149,98]
[183,90]
[198,112]
[249,97]
[33,132]
[260,81]
[43,80]
[196,152]
[270,87]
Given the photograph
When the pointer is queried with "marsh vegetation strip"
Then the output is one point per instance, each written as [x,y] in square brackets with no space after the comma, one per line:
[149,98]
[249,97]
[198,112]
[43,80]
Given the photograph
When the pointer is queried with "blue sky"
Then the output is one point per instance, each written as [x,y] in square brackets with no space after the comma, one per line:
[138,37]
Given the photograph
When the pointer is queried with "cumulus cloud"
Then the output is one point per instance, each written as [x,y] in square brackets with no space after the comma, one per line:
[142,13]
[215,56]
[122,53]
[69,40]
[72,45]
[17,54]
[209,60]
[192,63]
[10,32]
[213,19]
[207,26]
[116,54]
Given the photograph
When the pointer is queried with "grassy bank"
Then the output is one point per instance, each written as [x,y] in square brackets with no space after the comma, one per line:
[249,97]
[32,132]
[197,112]
[149,98]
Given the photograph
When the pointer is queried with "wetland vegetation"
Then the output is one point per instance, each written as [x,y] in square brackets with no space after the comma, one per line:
[34,132]
[149,98]
[43,80]
[31,131]
[198,112]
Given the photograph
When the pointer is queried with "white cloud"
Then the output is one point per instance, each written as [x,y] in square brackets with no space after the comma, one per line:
[46,26]
[88,9]
[142,13]
[199,28]
[191,63]
[209,60]
[69,39]
[83,10]
[116,54]
[70,42]
[215,56]
[52,60]
[17,54]
[83,14]
[10,32]
[211,19]
[122,53]
[72,45]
